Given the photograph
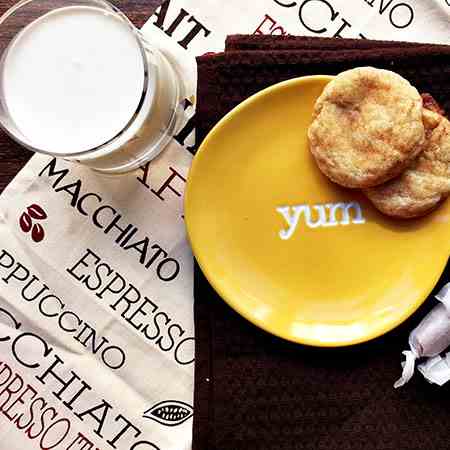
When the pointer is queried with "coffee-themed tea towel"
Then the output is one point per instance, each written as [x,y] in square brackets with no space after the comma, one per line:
[96,319]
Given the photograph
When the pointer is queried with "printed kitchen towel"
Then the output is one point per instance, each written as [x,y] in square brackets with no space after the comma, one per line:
[96,317]
[253,390]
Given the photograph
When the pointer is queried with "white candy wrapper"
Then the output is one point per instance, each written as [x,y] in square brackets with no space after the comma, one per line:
[430,338]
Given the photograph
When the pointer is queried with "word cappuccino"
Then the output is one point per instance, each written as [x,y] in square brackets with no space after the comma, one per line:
[327,216]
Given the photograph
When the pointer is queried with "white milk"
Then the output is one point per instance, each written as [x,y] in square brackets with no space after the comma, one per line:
[78,77]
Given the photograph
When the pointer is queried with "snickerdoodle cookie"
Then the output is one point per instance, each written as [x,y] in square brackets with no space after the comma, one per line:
[421,187]
[367,127]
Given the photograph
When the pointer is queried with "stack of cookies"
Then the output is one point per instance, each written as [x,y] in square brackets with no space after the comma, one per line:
[372,130]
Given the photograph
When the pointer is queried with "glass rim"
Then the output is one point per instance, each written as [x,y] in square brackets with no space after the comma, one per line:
[147,81]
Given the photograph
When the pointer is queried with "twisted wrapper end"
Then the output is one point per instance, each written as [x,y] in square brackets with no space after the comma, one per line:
[444,296]
[408,368]
[436,370]
[428,340]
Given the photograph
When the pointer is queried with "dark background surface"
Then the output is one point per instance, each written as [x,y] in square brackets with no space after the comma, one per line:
[12,156]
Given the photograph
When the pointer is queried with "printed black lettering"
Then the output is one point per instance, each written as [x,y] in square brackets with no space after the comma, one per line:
[128,426]
[198,27]
[166,185]
[171,343]
[63,325]
[113,357]
[19,273]
[155,255]
[73,189]
[15,347]
[50,168]
[140,311]
[144,445]
[123,230]
[344,25]
[188,129]
[145,330]
[128,237]
[97,213]
[334,14]
[382,8]
[127,299]
[43,302]
[93,286]
[166,321]
[178,357]
[174,25]
[102,409]
[110,287]
[44,444]
[35,295]
[50,371]
[146,170]
[83,262]
[141,247]
[90,338]
[285,5]
[168,269]
[409,15]
[76,396]
[15,323]
[8,257]
[80,204]
[160,14]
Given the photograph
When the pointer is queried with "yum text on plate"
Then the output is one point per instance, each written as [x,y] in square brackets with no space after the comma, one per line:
[326,216]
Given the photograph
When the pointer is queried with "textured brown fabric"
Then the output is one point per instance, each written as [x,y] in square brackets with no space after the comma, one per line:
[228,78]
[267,42]
[254,391]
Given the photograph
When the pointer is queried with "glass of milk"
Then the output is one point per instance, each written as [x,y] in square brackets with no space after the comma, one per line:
[79,81]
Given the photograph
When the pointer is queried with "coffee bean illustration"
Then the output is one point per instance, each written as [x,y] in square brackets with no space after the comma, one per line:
[25,222]
[170,412]
[37,233]
[36,212]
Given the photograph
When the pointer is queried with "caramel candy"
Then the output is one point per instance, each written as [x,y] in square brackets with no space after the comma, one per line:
[428,340]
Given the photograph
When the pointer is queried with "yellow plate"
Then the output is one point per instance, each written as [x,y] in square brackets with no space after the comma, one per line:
[329,285]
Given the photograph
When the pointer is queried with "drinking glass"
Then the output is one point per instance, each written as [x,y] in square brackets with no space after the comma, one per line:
[79,81]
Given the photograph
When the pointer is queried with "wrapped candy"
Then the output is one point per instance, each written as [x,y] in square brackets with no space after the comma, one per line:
[429,340]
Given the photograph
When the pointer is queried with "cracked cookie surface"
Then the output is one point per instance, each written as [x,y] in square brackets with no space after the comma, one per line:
[367,127]
[426,183]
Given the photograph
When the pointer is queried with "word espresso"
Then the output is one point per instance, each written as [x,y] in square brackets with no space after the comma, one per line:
[128,303]
[327,216]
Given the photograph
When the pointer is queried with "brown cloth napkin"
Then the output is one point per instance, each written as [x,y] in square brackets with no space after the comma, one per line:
[267,42]
[254,391]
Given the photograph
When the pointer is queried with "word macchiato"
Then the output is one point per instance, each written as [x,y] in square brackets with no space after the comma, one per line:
[327,216]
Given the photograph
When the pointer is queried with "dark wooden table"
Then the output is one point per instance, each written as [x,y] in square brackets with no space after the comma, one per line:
[12,156]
